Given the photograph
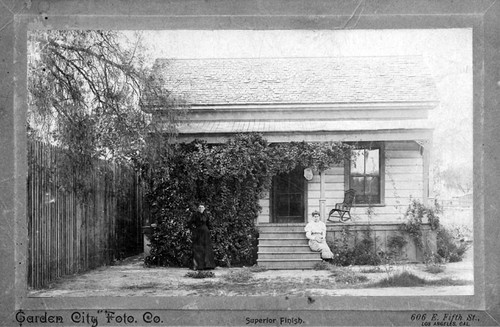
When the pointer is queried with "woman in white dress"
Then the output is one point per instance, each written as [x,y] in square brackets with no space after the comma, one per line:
[316,233]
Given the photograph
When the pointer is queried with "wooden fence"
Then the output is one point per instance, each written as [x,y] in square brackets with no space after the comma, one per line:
[72,233]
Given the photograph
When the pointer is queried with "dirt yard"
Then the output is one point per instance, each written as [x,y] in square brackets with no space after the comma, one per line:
[131,278]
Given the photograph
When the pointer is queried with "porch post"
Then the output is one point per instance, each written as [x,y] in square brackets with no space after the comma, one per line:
[427,145]
[322,198]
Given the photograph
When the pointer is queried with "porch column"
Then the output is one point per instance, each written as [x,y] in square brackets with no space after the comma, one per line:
[322,198]
[426,157]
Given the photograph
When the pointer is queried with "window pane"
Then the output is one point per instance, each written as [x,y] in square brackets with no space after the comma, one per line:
[372,186]
[282,205]
[372,162]
[295,205]
[282,183]
[358,163]
[296,186]
[358,184]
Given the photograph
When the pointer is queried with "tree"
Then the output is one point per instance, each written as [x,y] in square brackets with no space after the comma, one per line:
[457,178]
[85,90]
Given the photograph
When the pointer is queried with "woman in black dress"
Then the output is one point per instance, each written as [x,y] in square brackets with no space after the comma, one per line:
[203,255]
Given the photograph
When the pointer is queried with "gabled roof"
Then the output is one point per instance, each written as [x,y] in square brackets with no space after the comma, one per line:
[299,80]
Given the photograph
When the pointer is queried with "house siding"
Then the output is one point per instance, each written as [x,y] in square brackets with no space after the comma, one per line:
[404,180]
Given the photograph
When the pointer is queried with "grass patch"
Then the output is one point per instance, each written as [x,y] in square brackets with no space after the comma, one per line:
[403,279]
[372,270]
[347,276]
[323,265]
[407,279]
[434,269]
[140,287]
[200,274]
[238,276]
[256,269]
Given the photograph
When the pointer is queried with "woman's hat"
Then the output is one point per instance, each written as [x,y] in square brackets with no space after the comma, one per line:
[315,212]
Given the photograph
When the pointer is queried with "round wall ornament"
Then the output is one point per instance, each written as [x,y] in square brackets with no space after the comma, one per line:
[308,174]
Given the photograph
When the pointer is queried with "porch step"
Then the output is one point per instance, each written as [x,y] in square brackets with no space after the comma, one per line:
[282,241]
[281,227]
[289,255]
[285,246]
[288,264]
[284,234]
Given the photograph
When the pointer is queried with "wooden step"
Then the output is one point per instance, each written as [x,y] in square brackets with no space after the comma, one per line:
[281,227]
[282,241]
[283,234]
[290,256]
[287,264]
[283,248]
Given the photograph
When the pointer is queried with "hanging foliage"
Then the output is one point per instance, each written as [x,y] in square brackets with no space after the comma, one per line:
[230,179]
[85,88]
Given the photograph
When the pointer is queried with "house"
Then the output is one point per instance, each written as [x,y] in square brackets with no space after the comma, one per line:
[378,104]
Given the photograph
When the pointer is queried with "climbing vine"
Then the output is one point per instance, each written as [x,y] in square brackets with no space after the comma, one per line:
[415,213]
[230,179]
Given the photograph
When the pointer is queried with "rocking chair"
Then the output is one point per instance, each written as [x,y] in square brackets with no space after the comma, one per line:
[343,210]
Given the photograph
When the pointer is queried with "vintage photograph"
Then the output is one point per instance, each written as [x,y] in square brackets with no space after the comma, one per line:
[250,163]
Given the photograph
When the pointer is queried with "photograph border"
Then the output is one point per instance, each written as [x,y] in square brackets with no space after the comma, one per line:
[17,17]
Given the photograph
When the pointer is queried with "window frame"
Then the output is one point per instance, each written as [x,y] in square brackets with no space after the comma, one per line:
[347,171]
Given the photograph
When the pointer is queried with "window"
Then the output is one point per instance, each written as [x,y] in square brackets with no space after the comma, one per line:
[365,174]
[288,202]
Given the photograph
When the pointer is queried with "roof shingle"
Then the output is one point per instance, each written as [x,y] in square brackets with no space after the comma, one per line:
[299,80]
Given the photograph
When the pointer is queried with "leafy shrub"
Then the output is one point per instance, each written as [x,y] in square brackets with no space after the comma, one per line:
[342,254]
[362,253]
[449,248]
[395,246]
[414,216]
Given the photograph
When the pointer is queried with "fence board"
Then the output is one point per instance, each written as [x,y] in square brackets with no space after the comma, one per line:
[68,234]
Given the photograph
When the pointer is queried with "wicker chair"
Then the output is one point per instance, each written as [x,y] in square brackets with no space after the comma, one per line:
[343,210]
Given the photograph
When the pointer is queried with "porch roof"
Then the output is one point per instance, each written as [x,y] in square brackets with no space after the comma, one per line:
[312,130]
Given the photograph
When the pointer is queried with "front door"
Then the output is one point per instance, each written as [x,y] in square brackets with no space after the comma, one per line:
[288,197]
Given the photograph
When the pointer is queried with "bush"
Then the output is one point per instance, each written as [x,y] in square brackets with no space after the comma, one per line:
[363,252]
[170,243]
[395,246]
[449,248]
[414,216]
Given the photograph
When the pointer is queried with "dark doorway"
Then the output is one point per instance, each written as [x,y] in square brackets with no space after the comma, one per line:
[288,199]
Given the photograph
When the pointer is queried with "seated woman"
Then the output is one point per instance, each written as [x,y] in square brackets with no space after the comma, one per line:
[316,233]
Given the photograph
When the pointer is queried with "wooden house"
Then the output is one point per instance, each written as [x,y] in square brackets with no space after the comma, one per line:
[378,104]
